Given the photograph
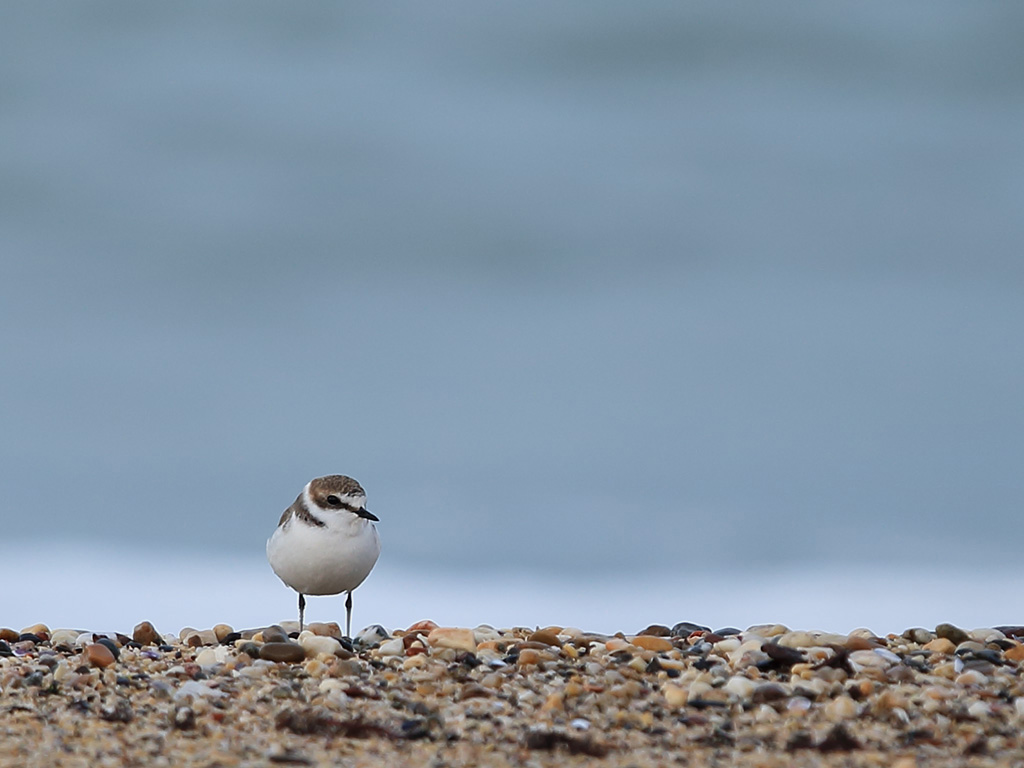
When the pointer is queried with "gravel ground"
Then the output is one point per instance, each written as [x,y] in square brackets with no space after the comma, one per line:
[440,696]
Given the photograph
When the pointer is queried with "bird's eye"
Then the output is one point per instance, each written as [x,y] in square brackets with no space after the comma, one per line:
[333,500]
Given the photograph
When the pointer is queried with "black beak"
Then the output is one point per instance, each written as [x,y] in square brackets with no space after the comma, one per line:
[367,515]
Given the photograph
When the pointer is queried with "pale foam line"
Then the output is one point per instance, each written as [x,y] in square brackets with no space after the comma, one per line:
[104,590]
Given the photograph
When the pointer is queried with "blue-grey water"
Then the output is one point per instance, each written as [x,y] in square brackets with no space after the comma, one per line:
[572,289]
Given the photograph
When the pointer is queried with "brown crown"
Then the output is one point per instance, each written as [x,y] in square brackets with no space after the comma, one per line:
[337,485]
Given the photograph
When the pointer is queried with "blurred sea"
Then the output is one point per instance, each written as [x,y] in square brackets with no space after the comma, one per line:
[622,305]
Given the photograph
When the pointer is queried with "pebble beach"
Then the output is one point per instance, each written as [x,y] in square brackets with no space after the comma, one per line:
[681,694]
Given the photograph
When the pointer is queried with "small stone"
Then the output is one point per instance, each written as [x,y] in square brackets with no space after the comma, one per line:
[652,643]
[971,677]
[220,631]
[372,635]
[199,638]
[1014,654]
[184,719]
[979,710]
[290,653]
[919,635]
[207,657]
[8,635]
[63,637]
[940,645]
[275,634]
[99,655]
[952,633]
[393,647]
[422,626]
[656,630]
[39,630]
[146,634]
[841,708]
[767,692]
[325,628]
[686,628]
[111,646]
[740,687]
[675,696]
[452,637]
[546,637]
[797,640]
[528,657]
[314,645]
[555,702]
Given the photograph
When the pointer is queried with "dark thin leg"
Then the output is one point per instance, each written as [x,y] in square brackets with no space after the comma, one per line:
[302,608]
[348,615]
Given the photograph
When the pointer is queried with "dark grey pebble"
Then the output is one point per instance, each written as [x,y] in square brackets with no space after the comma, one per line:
[184,718]
[251,649]
[952,633]
[783,655]
[284,652]
[230,638]
[275,634]
[687,628]
[768,692]
[728,632]
[29,637]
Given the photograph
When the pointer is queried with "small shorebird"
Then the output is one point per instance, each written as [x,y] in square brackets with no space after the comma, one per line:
[326,542]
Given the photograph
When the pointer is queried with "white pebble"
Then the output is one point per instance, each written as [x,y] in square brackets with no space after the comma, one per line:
[395,647]
[740,687]
[197,689]
[317,644]
[979,709]
[798,704]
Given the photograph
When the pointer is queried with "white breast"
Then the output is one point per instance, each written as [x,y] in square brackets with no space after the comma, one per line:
[324,560]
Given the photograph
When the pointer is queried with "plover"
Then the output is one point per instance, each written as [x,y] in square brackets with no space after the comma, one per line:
[326,542]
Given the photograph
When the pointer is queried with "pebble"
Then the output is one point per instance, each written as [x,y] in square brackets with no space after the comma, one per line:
[220,631]
[65,637]
[324,629]
[393,647]
[275,634]
[675,696]
[686,628]
[546,637]
[99,655]
[314,645]
[372,635]
[1015,654]
[146,634]
[652,643]
[952,633]
[282,652]
[940,645]
[39,630]
[452,637]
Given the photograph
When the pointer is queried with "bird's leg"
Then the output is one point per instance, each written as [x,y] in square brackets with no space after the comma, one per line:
[302,609]
[348,615]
